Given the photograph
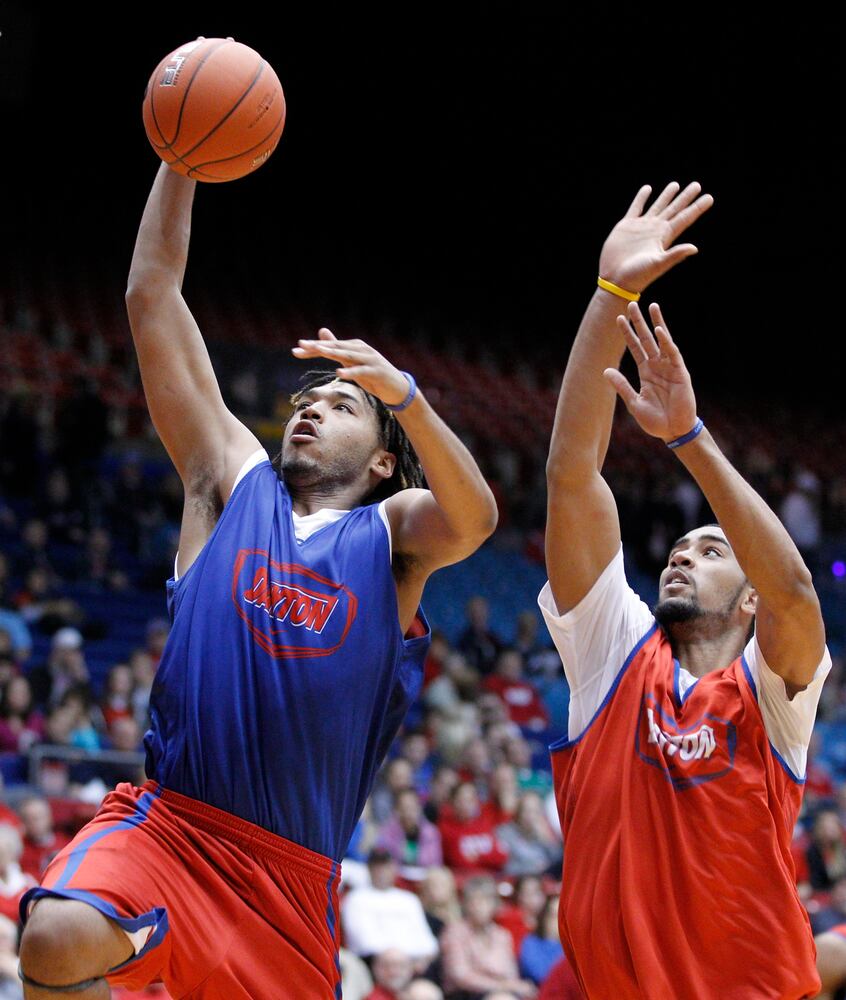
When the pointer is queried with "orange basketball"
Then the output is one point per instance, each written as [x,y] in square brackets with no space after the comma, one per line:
[214,109]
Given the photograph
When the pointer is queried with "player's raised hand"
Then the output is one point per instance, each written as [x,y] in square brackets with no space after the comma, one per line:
[641,247]
[665,407]
[360,363]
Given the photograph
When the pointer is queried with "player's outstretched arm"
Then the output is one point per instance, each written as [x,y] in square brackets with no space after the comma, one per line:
[451,519]
[205,441]
[583,531]
[788,620]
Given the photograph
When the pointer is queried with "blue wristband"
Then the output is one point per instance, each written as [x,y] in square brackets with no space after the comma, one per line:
[697,429]
[412,392]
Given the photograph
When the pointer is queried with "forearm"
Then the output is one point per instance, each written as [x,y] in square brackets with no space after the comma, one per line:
[764,549]
[161,247]
[585,410]
[464,499]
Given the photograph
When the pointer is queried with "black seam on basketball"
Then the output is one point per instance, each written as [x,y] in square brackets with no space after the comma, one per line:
[230,112]
[190,83]
[244,152]
[184,95]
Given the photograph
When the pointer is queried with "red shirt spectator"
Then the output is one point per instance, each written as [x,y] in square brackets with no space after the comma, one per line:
[520,917]
[41,840]
[504,794]
[521,699]
[469,841]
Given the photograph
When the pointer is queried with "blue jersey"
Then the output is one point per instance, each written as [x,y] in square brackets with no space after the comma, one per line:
[285,676]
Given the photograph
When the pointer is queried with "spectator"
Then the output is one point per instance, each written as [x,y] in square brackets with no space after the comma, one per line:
[532,847]
[520,916]
[540,657]
[364,836]
[468,837]
[479,643]
[98,564]
[541,949]
[8,667]
[117,696]
[413,842]
[395,776]
[518,753]
[800,514]
[392,972]
[41,839]
[475,763]
[503,795]
[421,989]
[833,911]
[64,668]
[13,881]
[10,984]
[826,852]
[380,916]
[33,549]
[417,751]
[443,783]
[58,509]
[156,633]
[143,675]
[43,606]
[521,699]
[439,897]
[433,665]
[21,724]
[86,722]
[477,953]
[13,625]
[356,980]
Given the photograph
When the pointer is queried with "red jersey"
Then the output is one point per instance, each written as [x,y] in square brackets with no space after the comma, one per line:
[471,847]
[682,816]
[521,699]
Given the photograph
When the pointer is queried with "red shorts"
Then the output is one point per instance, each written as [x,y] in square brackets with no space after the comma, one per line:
[233,911]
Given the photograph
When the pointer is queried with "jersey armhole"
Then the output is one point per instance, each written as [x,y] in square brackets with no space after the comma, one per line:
[384,515]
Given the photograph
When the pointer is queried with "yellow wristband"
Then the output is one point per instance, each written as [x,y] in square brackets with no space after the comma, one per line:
[609,286]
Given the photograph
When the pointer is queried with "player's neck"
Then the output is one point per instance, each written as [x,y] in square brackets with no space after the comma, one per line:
[309,500]
[699,653]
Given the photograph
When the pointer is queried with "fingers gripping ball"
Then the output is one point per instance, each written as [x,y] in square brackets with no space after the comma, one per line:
[214,110]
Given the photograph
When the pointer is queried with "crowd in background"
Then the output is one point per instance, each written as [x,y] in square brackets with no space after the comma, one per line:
[450,884]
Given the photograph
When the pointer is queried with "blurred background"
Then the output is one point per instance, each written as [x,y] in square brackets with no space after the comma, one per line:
[442,189]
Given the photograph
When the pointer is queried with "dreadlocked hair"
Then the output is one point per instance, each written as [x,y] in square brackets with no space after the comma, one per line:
[408,471]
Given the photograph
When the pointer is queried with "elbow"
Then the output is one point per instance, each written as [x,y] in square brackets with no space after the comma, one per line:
[142,287]
[489,517]
[567,469]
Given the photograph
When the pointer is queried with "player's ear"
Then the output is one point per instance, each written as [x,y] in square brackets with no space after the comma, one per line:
[384,463]
[749,602]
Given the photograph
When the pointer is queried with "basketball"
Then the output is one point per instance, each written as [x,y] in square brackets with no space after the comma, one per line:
[214,110]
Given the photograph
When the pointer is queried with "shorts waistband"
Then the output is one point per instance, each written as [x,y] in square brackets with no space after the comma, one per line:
[243,833]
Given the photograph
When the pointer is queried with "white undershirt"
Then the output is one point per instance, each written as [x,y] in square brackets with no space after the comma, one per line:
[305,525]
[594,638]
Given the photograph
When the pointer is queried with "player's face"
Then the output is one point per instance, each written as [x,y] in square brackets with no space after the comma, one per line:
[332,436]
[702,579]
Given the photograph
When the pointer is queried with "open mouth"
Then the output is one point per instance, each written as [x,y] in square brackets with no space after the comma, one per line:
[676,577]
[304,430]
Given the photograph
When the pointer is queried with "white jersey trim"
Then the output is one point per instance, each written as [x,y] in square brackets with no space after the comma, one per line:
[595,638]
